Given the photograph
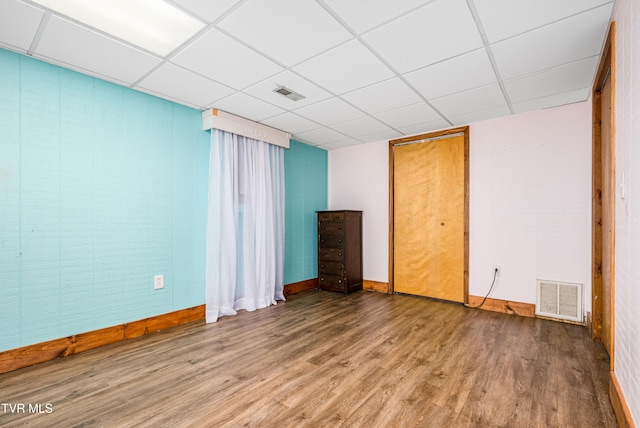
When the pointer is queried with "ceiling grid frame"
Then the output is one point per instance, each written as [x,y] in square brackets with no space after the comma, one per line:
[558,80]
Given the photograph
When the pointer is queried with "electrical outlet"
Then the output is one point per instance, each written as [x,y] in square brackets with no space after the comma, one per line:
[497,270]
[158,282]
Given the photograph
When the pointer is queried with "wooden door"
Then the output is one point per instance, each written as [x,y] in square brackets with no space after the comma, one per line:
[604,202]
[608,215]
[429,218]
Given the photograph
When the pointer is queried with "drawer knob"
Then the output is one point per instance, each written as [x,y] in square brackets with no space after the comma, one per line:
[339,227]
[339,241]
[442,223]
[322,227]
[340,254]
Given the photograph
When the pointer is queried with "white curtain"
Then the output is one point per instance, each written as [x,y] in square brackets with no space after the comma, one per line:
[245,225]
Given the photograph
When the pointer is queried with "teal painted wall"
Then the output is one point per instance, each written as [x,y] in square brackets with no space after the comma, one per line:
[101,187]
[306,187]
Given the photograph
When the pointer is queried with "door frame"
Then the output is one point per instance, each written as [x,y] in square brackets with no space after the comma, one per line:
[464,130]
[606,69]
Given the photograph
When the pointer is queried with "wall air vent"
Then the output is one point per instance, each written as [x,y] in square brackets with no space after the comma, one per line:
[559,300]
[286,92]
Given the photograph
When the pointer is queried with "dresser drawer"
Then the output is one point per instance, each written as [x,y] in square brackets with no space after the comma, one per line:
[331,268]
[330,216]
[330,228]
[332,282]
[335,241]
[336,254]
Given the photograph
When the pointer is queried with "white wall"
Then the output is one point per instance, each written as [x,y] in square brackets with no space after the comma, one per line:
[627,270]
[530,201]
[530,204]
[358,180]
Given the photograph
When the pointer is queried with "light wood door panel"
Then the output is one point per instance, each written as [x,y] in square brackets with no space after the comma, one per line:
[429,185]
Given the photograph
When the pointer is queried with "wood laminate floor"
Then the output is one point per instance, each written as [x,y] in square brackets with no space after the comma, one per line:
[328,360]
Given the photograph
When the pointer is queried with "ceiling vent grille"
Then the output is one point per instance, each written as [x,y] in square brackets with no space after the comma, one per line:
[560,300]
[288,93]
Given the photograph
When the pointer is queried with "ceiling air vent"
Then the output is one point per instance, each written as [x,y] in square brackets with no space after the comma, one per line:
[292,95]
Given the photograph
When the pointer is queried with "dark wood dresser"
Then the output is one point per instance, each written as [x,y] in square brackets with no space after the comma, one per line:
[340,250]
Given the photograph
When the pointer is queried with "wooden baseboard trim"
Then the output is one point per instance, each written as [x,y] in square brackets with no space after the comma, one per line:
[504,306]
[29,355]
[299,286]
[162,322]
[382,287]
[25,356]
[619,403]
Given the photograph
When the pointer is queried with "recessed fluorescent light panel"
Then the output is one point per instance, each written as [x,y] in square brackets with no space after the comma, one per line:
[150,24]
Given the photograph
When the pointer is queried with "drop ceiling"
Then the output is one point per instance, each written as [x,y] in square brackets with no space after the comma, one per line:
[370,70]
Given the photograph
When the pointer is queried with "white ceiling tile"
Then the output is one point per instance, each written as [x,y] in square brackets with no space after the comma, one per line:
[289,31]
[422,128]
[458,74]
[525,15]
[565,78]
[167,97]
[362,15]
[18,24]
[184,85]
[379,136]
[478,99]
[359,127]
[330,112]
[345,68]
[84,49]
[247,106]
[219,57]
[340,144]
[478,116]
[435,32]
[291,123]
[409,115]
[581,37]
[264,90]
[320,136]
[209,10]
[387,95]
[570,97]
